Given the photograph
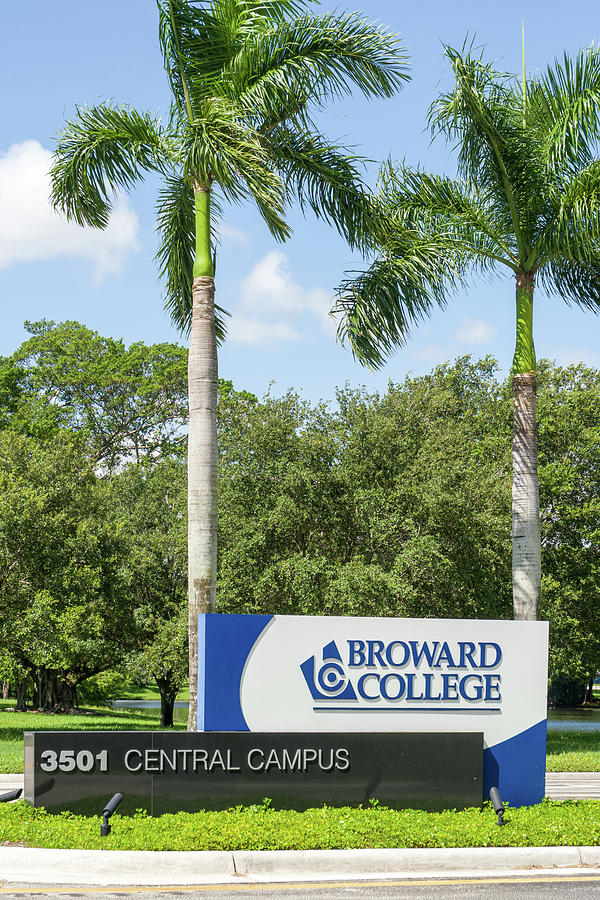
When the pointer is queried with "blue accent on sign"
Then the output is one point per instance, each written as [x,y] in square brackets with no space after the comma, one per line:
[517,767]
[227,643]
[201,671]
[330,651]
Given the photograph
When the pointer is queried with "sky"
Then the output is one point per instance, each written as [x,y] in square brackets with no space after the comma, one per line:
[55,56]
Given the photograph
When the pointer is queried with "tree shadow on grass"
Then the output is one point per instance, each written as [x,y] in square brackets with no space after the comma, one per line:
[573,741]
[13,724]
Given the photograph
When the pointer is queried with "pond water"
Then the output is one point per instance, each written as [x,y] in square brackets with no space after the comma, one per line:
[558,719]
[573,719]
[145,704]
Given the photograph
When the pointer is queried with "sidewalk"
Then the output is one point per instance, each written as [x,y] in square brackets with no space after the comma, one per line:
[10,783]
[573,785]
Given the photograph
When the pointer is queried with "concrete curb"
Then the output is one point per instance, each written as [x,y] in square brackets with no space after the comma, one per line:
[156,868]
[291,865]
[122,867]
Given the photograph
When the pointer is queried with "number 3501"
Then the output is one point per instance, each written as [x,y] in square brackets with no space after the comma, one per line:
[70,761]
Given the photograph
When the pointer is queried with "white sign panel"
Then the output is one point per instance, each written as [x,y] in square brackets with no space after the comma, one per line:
[341,674]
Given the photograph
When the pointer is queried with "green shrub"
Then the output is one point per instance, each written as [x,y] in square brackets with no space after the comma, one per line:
[570,823]
[101,689]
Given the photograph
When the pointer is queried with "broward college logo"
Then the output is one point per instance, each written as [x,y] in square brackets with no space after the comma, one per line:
[331,679]
[462,676]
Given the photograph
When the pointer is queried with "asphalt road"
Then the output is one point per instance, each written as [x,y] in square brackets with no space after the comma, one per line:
[530,887]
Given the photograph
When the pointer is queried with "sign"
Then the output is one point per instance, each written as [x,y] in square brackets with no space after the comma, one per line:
[170,771]
[330,674]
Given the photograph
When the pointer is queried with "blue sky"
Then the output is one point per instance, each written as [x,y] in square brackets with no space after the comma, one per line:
[55,56]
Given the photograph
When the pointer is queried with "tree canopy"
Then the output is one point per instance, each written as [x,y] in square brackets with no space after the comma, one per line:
[391,503]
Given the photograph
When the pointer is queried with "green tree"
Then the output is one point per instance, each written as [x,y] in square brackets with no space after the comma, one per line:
[569,433]
[149,501]
[392,504]
[64,617]
[526,201]
[245,76]
[163,659]
[125,402]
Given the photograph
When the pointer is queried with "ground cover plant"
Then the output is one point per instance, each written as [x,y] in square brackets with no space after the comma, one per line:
[568,823]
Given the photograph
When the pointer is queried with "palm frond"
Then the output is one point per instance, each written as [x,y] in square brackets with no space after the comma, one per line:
[175,254]
[528,196]
[103,149]
[484,115]
[411,198]
[252,15]
[564,108]
[311,58]
[196,45]
[324,177]
[379,307]
[268,192]
[199,39]
[577,283]
[223,149]
[572,226]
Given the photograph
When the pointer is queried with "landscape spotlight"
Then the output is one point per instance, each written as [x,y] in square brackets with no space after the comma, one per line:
[107,813]
[497,804]
[11,795]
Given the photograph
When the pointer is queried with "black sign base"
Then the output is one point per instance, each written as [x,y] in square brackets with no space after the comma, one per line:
[164,772]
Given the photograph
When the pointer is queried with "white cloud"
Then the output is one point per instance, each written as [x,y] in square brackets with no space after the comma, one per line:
[474,331]
[30,229]
[569,356]
[429,353]
[272,304]
[245,330]
[231,235]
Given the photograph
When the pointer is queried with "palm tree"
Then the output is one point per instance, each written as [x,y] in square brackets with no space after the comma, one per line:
[526,200]
[246,76]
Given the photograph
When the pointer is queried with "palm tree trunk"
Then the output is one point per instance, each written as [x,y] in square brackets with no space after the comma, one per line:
[202,446]
[526,540]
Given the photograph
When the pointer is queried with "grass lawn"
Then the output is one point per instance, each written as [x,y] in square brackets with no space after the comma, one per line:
[572,822]
[13,724]
[572,751]
[148,692]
